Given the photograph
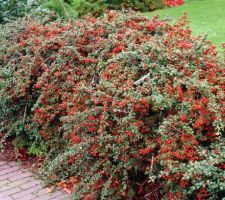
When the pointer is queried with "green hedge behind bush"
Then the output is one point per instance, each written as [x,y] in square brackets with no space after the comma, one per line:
[97,7]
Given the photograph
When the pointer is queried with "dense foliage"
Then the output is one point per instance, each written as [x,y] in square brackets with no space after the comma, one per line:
[97,7]
[64,8]
[12,8]
[127,106]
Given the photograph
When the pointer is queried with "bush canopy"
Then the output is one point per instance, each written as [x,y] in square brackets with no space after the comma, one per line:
[128,106]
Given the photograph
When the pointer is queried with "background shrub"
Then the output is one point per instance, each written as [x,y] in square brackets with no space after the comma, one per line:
[11,8]
[131,107]
[67,9]
[97,7]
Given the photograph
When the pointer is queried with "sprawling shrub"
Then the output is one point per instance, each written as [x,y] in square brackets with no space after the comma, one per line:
[130,107]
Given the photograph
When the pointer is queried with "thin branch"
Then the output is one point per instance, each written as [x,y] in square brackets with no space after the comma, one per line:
[141,79]
[201,43]
[25,113]
[152,162]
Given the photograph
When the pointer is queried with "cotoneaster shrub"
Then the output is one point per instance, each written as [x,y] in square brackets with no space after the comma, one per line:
[130,107]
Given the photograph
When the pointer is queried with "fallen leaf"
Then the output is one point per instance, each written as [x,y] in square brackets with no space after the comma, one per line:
[69,191]
[49,189]
[61,184]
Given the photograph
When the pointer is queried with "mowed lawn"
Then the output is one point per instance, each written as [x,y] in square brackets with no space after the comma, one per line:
[204,15]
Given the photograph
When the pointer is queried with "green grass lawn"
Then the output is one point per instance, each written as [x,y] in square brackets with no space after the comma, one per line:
[204,15]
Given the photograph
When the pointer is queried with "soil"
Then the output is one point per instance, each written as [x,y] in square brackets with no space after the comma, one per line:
[9,153]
